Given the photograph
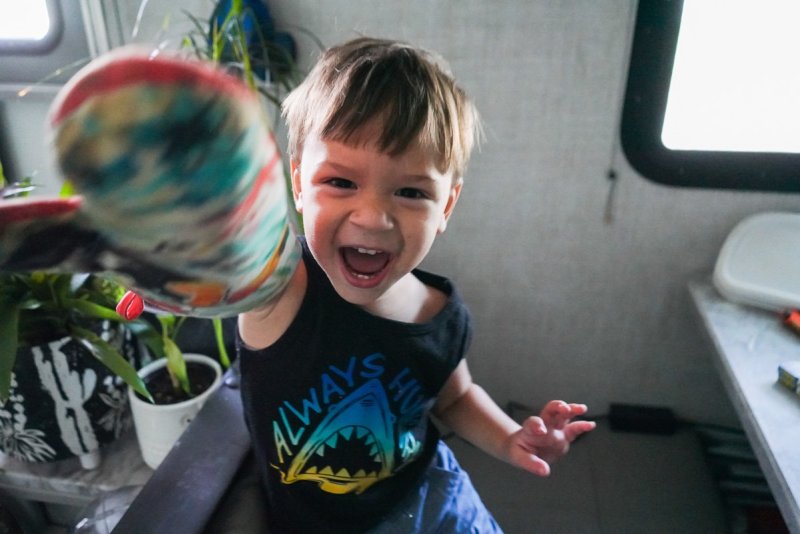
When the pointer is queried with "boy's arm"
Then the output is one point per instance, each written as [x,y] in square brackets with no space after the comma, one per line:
[263,326]
[467,409]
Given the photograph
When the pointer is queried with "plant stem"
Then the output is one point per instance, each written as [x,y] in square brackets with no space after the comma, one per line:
[218,334]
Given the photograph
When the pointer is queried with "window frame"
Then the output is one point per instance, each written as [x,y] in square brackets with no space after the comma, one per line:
[652,54]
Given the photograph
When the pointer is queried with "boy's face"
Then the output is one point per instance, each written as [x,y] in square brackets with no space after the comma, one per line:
[369,217]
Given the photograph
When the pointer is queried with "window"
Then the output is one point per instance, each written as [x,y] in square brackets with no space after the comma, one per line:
[713,94]
[40,40]
[33,26]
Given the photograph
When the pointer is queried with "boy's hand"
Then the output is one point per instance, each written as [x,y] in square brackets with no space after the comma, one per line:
[544,439]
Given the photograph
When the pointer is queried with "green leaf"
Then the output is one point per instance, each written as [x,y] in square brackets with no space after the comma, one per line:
[60,286]
[90,309]
[111,358]
[176,364]
[167,323]
[29,303]
[177,328]
[148,335]
[67,189]
[218,334]
[9,319]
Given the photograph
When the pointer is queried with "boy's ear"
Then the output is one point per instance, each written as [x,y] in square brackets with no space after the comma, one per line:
[297,192]
[452,199]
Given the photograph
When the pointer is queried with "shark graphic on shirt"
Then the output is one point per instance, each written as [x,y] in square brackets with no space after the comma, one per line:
[354,445]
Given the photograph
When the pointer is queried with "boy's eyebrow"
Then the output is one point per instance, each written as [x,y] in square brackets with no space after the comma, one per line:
[338,167]
[420,177]
[346,169]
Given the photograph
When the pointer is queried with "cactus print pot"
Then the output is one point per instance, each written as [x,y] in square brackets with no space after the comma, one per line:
[64,403]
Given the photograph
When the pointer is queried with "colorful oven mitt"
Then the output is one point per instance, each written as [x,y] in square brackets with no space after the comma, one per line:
[181,193]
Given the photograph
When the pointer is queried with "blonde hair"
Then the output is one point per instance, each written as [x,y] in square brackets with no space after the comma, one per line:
[407,90]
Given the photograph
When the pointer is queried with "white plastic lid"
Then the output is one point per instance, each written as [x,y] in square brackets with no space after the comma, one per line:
[759,264]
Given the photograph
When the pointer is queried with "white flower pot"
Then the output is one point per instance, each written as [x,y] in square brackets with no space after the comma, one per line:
[158,426]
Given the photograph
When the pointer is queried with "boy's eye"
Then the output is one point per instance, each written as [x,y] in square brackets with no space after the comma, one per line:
[411,192]
[341,183]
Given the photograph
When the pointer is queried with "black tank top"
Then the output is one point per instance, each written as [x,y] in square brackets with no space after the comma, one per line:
[338,408]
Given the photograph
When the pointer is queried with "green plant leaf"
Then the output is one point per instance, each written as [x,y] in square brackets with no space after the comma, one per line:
[177,328]
[60,286]
[176,364]
[147,334]
[90,309]
[218,335]
[111,358]
[30,303]
[9,319]
[67,189]
[205,33]
[167,324]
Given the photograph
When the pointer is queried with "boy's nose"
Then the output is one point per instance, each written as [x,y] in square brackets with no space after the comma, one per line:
[372,214]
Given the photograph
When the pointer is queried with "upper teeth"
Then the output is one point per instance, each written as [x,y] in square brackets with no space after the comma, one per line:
[367,251]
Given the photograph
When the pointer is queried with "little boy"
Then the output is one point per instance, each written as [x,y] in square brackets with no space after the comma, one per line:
[343,371]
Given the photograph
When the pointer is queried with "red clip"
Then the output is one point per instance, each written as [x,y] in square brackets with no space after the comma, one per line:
[130,306]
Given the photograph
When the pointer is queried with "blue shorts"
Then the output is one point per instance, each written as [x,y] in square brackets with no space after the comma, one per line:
[445,502]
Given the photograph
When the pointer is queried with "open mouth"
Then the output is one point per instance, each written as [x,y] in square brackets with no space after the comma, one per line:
[365,264]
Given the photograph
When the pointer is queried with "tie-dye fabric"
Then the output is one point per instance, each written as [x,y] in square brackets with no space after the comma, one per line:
[182,185]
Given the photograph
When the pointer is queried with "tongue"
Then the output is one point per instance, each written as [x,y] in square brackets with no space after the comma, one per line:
[364,263]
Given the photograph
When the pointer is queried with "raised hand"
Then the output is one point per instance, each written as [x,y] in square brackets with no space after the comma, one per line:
[546,437]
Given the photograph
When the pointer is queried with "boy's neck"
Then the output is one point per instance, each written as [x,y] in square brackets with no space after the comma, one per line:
[408,301]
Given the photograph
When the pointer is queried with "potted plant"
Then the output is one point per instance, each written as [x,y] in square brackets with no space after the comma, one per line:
[239,36]
[65,358]
[66,355]
[178,383]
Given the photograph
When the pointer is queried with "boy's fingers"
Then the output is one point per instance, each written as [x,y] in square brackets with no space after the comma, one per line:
[576,428]
[534,426]
[537,466]
[578,409]
[556,413]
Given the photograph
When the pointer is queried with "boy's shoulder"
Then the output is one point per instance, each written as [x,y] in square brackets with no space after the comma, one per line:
[261,327]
